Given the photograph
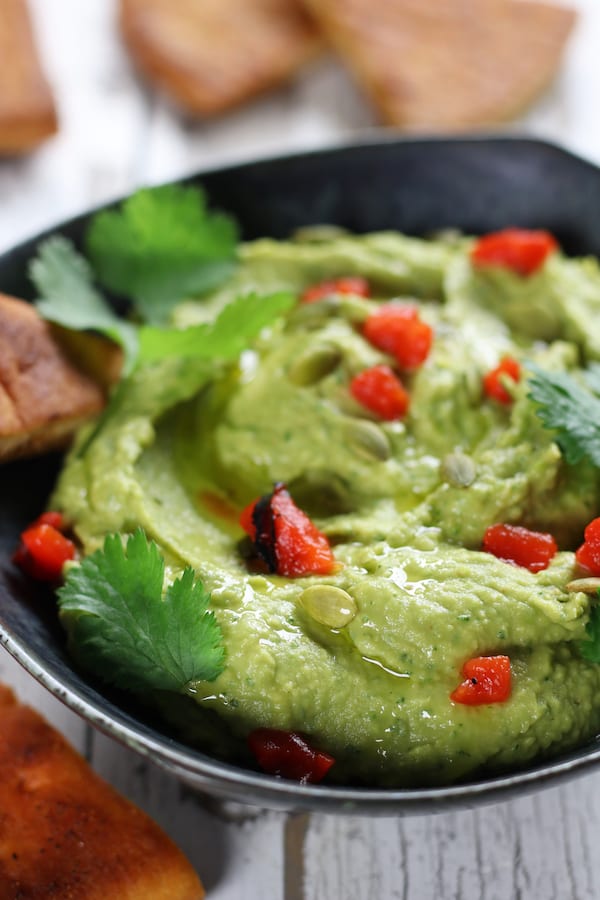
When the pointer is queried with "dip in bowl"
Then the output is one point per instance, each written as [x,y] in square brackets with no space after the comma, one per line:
[364,658]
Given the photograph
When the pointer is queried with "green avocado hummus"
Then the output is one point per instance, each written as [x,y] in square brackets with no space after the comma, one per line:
[405,505]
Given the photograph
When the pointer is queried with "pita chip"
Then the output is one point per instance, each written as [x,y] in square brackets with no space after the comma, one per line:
[27,111]
[66,833]
[44,396]
[212,55]
[439,65]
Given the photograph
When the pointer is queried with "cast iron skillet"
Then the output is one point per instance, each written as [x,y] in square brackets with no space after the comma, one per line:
[415,186]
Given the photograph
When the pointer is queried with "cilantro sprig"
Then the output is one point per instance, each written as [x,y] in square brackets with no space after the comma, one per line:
[127,632]
[68,297]
[224,338]
[162,246]
[571,409]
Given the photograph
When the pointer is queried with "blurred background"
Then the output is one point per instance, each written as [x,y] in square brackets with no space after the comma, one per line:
[117,129]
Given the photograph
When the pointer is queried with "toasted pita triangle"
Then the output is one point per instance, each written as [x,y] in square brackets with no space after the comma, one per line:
[27,112]
[44,397]
[66,833]
[447,64]
[210,55]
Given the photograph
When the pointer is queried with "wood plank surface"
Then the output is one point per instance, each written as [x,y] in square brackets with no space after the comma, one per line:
[115,134]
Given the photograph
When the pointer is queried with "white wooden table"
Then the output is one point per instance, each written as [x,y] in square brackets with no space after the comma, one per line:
[115,134]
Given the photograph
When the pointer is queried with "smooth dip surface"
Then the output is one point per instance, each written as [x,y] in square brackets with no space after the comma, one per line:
[404,503]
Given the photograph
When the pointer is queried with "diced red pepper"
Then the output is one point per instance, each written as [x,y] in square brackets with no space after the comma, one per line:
[518,249]
[493,387]
[588,555]
[399,331]
[43,550]
[487,680]
[351,284]
[534,550]
[289,755]
[380,390]
[56,519]
[285,538]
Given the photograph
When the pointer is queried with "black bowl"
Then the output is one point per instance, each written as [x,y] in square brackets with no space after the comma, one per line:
[415,186]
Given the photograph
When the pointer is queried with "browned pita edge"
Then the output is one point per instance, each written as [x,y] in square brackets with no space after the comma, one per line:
[439,65]
[213,55]
[65,833]
[27,110]
[44,396]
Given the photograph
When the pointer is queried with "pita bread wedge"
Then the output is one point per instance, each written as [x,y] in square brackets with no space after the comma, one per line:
[211,55]
[27,112]
[66,833]
[440,65]
[44,397]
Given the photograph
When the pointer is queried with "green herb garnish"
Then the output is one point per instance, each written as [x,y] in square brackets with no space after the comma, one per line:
[127,632]
[162,246]
[224,338]
[68,297]
[571,409]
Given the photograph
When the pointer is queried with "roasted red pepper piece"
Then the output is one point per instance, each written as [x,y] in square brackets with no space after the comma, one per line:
[287,541]
[534,550]
[351,284]
[518,249]
[487,680]
[588,555]
[289,755]
[380,390]
[399,331]
[258,520]
[492,382]
[56,519]
[43,550]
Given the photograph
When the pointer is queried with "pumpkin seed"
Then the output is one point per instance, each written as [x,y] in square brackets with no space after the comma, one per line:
[329,605]
[587,585]
[458,469]
[368,438]
[314,364]
[311,316]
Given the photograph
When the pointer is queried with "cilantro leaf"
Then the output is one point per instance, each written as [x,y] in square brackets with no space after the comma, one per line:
[68,297]
[225,338]
[161,247]
[571,410]
[125,631]
[590,649]
[592,378]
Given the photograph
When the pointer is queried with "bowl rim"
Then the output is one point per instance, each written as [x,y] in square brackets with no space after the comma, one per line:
[243,785]
[371,139]
[232,782]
